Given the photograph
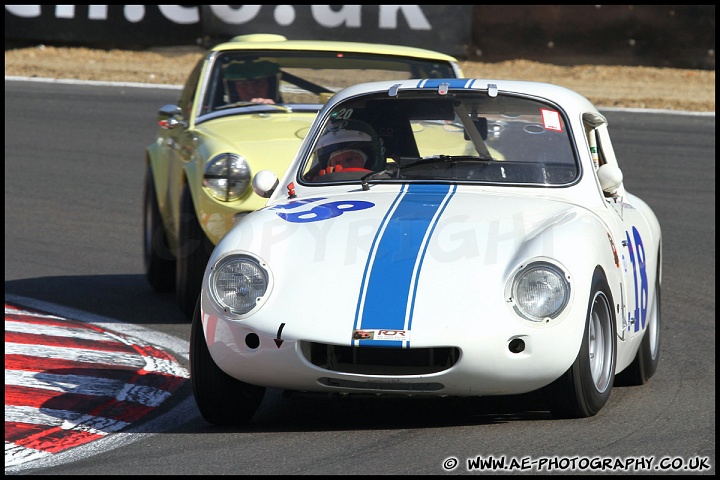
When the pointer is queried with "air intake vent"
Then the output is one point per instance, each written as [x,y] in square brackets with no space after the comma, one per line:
[379,360]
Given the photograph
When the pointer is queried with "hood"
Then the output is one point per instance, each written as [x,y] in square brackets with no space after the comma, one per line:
[380,257]
[259,137]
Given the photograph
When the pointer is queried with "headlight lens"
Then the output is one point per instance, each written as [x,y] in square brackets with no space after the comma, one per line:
[238,283]
[227,177]
[540,291]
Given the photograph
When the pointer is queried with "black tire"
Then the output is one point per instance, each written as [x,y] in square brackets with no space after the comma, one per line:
[194,249]
[586,386]
[158,258]
[647,357]
[221,399]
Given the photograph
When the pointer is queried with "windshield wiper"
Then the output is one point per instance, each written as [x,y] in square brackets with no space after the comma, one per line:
[366,178]
[253,104]
[443,159]
[407,162]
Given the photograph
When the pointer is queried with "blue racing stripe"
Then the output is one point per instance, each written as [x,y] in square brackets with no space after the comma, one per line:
[391,273]
[373,248]
[452,82]
[424,251]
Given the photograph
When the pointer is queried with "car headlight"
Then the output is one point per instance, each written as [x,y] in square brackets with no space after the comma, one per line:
[540,291]
[227,177]
[239,283]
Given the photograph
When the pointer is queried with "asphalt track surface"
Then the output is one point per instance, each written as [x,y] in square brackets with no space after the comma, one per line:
[73,260]
[69,383]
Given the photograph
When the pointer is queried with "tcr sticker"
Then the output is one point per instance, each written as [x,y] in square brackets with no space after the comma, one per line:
[551,120]
[381,334]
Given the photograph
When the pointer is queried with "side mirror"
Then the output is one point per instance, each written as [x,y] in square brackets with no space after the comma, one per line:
[264,183]
[610,177]
[169,116]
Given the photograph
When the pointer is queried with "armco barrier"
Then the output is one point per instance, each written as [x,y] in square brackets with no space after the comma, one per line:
[681,36]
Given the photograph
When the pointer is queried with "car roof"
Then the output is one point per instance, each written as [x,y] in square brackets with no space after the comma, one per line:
[279,42]
[568,99]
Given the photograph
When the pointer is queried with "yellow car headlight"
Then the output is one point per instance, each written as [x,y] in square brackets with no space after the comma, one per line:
[227,177]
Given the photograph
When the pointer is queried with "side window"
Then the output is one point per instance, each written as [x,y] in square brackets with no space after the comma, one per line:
[607,172]
[595,148]
[188,92]
[592,122]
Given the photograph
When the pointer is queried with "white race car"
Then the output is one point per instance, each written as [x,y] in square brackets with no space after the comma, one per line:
[445,237]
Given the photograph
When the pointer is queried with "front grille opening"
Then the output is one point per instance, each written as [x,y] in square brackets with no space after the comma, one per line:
[381,360]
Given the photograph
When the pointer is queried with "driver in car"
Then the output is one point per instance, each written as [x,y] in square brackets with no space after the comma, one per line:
[255,82]
[347,159]
[347,146]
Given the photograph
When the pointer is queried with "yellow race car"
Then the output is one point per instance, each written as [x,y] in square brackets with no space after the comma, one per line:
[245,107]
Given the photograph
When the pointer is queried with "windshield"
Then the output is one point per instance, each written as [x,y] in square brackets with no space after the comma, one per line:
[292,78]
[424,136]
